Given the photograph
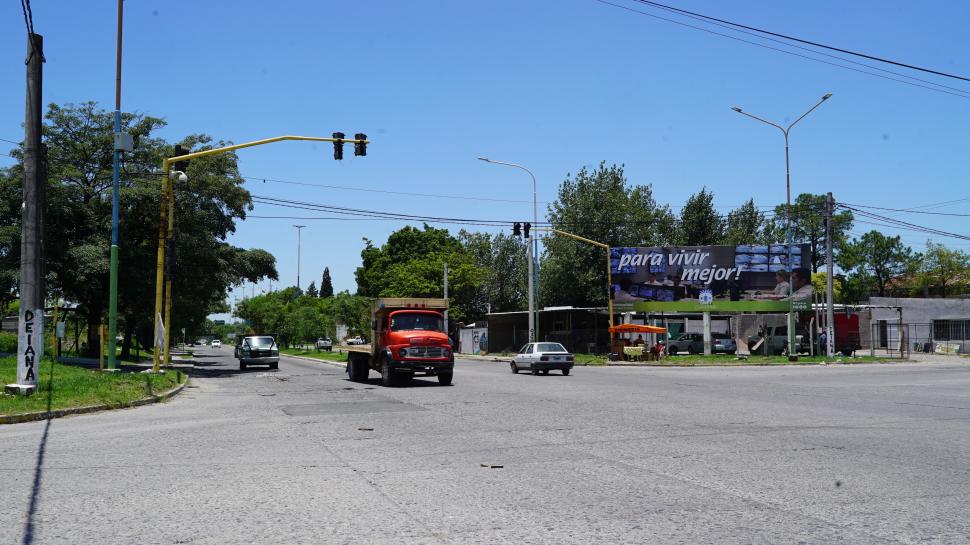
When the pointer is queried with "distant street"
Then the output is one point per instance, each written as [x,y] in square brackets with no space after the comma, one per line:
[836,454]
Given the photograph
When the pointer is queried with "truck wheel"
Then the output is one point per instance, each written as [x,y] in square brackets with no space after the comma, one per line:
[274,365]
[545,371]
[388,379]
[515,368]
[358,368]
[565,372]
[445,378]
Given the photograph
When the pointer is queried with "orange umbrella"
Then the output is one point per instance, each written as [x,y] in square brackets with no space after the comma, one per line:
[635,328]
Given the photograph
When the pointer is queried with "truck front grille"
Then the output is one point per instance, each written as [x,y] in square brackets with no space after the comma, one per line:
[426,352]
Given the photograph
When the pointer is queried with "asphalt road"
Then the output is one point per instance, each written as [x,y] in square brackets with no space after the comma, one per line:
[838,454]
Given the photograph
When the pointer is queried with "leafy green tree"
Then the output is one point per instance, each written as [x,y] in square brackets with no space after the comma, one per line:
[881,258]
[311,290]
[744,225]
[700,224]
[78,223]
[411,264]
[326,284]
[943,268]
[599,205]
[808,224]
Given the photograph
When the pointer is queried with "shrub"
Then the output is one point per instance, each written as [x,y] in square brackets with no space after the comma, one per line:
[8,343]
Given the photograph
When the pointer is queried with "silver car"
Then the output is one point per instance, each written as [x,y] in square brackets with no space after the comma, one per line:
[257,350]
[543,357]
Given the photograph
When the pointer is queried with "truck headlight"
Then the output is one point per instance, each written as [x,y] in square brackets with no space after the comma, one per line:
[403,352]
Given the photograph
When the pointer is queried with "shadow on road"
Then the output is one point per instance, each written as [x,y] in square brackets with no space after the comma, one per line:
[38,467]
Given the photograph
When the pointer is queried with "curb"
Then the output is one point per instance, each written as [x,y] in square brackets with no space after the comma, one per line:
[46,415]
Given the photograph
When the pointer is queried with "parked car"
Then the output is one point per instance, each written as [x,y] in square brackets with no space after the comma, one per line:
[324,343]
[693,343]
[544,357]
[216,343]
[776,341]
[257,350]
[356,340]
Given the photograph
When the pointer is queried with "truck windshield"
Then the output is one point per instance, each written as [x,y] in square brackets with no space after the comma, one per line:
[416,322]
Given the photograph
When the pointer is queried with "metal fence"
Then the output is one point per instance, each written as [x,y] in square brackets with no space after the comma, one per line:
[896,339]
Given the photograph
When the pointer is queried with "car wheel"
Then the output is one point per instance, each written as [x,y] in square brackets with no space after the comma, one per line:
[672,351]
[445,378]
[565,372]
[515,368]
[274,365]
[242,366]
[534,370]
[545,371]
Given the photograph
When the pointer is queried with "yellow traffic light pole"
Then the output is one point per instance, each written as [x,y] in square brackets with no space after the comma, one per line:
[609,274]
[166,228]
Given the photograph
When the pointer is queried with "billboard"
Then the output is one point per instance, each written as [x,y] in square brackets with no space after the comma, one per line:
[741,278]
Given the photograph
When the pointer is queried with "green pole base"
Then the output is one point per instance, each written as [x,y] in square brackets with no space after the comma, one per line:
[113,311]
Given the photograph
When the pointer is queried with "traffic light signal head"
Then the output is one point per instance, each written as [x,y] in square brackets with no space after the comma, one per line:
[360,146]
[516,229]
[180,165]
[338,146]
[525,229]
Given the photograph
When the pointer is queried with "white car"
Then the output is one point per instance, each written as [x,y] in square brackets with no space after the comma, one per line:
[542,357]
[216,343]
[356,340]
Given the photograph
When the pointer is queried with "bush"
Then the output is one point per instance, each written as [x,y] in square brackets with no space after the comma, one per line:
[8,343]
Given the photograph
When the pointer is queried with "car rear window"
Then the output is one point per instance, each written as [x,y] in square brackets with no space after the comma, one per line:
[551,347]
[260,342]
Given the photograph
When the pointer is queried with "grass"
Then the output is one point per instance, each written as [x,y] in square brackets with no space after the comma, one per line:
[80,387]
[312,353]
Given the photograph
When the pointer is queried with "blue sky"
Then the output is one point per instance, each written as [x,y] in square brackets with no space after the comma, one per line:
[551,85]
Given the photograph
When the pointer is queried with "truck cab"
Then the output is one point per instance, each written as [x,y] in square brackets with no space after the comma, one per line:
[408,338]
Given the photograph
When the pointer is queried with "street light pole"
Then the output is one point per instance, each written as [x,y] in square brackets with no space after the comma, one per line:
[534,247]
[788,219]
[299,230]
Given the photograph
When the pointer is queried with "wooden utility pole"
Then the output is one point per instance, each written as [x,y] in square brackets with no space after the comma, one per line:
[30,342]
[829,269]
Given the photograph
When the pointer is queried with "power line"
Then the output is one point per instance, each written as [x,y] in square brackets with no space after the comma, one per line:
[794,39]
[388,192]
[957,94]
[909,210]
[900,224]
[11,141]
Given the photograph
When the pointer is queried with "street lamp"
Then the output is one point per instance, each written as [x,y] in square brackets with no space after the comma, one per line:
[533,248]
[299,229]
[788,228]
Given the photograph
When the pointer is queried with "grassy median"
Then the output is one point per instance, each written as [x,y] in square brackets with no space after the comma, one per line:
[80,387]
[312,353]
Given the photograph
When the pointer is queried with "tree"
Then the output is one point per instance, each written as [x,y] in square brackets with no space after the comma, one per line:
[700,224]
[311,290]
[942,268]
[326,285]
[411,264]
[745,225]
[598,205]
[78,223]
[881,258]
[808,224]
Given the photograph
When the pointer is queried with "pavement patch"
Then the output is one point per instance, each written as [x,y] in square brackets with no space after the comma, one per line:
[350,407]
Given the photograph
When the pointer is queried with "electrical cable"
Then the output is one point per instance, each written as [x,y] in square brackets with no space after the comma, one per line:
[794,39]
[909,210]
[965,95]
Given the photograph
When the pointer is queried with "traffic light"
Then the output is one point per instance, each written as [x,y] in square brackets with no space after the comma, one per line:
[338,146]
[181,166]
[517,229]
[360,146]
[525,229]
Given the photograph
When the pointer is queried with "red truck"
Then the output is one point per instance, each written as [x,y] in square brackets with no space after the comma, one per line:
[408,338]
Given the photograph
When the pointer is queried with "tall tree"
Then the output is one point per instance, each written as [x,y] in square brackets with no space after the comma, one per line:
[326,284]
[881,258]
[311,290]
[943,268]
[744,225]
[503,258]
[78,222]
[808,224]
[599,205]
[700,224]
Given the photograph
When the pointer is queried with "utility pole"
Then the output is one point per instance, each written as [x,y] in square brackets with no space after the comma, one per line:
[30,334]
[122,142]
[446,297]
[299,229]
[532,300]
[829,291]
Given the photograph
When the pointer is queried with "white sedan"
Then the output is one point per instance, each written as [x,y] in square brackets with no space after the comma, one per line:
[216,343]
[542,357]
